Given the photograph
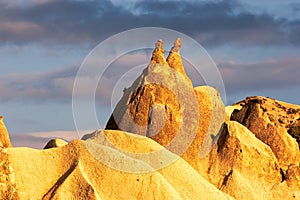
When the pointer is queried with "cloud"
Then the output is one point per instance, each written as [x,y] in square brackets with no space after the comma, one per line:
[275,73]
[36,85]
[39,140]
[266,74]
[58,84]
[78,22]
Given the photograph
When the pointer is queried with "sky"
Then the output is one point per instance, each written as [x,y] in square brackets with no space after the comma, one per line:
[255,45]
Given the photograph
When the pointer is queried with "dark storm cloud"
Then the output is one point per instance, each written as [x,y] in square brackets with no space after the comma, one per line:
[211,23]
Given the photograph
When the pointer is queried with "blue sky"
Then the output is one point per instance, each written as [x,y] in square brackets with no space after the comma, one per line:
[255,45]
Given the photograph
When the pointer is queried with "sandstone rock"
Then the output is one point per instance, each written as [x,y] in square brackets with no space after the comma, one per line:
[178,173]
[175,62]
[263,116]
[229,110]
[55,143]
[4,137]
[240,160]
[7,186]
[160,104]
[72,172]
[212,117]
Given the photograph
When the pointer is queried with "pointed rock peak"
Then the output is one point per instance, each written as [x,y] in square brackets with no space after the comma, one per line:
[177,45]
[159,44]
[158,53]
[174,60]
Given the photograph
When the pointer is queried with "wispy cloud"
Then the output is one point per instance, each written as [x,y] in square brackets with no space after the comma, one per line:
[36,85]
[265,74]
[58,84]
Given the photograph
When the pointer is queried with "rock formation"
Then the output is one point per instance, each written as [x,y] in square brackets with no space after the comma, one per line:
[212,116]
[72,172]
[55,143]
[4,137]
[270,121]
[169,141]
[175,62]
[163,105]
[242,163]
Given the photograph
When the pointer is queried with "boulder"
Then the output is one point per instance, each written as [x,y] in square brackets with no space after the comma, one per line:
[55,143]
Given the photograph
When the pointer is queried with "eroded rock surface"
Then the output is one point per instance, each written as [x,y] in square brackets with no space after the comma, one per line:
[55,143]
[160,104]
[271,121]
[4,137]
[74,171]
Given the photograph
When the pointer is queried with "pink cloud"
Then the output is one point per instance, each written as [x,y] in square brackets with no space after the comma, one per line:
[39,139]
[264,74]
[19,28]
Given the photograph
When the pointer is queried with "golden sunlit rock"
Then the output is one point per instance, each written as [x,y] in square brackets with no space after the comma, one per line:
[159,101]
[55,143]
[270,121]
[72,172]
[4,137]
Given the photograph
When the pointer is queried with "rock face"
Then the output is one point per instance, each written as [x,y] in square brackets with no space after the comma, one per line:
[240,164]
[158,103]
[4,137]
[7,181]
[270,121]
[73,172]
[163,105]
[212,116]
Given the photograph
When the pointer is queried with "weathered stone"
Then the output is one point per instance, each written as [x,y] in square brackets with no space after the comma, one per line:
[73,171]
[7,180]
[174,60]
[55,143]
[244,167]
[160,104]
[178,173]
[211,119]
[4,137]
[262,116]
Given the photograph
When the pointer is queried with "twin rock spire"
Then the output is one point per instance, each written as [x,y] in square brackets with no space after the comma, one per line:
[176,48]
[173,60]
